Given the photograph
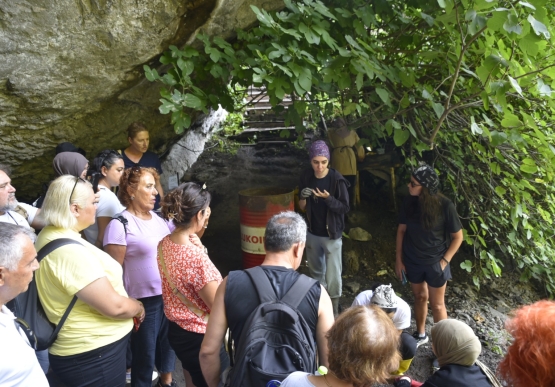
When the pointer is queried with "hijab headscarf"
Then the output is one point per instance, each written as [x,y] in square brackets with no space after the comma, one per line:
[69,163]
[455,343]
[319,148]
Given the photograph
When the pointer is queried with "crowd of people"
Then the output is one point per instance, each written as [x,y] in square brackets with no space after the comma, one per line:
[147,291]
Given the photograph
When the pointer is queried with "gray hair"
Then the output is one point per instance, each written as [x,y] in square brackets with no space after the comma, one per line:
[11,244]
[283,231]
[6,169]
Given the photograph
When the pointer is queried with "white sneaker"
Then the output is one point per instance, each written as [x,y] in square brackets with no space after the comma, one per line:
[128,377]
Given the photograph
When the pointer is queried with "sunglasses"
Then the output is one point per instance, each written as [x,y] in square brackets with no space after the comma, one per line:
[75,185]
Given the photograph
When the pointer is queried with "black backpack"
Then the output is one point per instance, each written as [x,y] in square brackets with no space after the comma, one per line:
[276,339]
[27,306]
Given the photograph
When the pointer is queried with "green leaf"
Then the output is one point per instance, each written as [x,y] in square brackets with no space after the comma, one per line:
[400,136]
[466,265]
[192,101]
[515,85]
[510,121]
[383,94]
[527,168]
[500,191]
[539,27]
[305,79]
[167,106]
[512,25]
[438,108]
[427,18]
[151,74]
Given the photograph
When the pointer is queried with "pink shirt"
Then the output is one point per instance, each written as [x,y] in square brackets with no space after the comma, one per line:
[190,270]
[141,277]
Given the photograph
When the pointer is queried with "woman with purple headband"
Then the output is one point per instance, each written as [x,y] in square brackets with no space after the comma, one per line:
[428,236]
[324,195]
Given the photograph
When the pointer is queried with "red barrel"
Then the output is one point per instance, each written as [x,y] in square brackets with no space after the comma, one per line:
[257,206]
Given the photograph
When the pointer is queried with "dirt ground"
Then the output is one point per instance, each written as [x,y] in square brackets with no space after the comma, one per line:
[364,262]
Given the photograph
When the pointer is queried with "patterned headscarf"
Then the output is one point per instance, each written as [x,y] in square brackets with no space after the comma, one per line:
[426,176]
[455,343]
[384,297]
[319,148]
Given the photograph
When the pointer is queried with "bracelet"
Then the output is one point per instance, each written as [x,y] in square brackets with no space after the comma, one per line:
[445,260]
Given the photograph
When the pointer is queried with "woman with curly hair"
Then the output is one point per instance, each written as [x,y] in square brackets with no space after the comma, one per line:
[132,240]
[189,278]
[362,350]
[428,236]
[530,358]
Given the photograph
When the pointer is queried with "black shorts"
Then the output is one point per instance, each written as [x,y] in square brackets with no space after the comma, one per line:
[431,274]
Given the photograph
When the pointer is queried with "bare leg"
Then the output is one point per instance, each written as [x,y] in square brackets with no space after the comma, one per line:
[188,379]
[420,292]
[166,378]
[437,302]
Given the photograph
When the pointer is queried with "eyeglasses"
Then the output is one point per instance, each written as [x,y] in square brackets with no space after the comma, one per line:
[413,184]
[75,185]
[23,326]
[136,168]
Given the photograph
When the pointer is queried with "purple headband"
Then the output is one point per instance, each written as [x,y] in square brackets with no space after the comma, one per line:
[319,148]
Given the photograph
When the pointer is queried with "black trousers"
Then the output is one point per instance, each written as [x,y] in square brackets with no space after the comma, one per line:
[104,366]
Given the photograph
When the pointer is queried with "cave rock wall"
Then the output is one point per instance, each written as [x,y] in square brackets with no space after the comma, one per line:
[71,70]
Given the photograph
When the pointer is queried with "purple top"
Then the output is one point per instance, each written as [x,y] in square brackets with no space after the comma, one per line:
[141,277]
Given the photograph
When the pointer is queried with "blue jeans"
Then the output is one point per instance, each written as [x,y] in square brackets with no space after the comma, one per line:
[150,345]
[104,366]
[324,262]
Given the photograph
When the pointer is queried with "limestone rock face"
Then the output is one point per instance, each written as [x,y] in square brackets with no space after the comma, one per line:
[71,70]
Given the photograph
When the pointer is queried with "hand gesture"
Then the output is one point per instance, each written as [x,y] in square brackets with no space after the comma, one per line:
[321,194]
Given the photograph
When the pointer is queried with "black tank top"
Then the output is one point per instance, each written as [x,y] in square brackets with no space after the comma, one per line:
[241,297]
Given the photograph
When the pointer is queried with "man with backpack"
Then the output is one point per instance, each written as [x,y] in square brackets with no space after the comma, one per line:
[277,318]
[18,365]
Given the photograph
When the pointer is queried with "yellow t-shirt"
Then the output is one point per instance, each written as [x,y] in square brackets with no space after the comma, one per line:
[63,273]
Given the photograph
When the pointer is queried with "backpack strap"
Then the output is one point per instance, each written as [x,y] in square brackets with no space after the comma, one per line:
[262,284]
[119,216]
[43,252]
[298,291]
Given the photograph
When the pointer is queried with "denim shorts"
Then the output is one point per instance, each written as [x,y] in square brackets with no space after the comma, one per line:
[431,274]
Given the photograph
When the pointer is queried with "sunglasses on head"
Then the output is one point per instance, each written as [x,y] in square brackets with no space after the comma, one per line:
[75,185]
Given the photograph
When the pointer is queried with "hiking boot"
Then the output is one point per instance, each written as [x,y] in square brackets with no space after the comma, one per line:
[420,340]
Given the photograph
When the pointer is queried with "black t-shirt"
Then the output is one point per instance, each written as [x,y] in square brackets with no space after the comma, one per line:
[319,213]
[241,297]
[427,246]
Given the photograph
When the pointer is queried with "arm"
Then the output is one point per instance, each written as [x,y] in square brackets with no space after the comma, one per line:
[117,252]
[215,331]
[456,241]
[37,223]
[302,204]
[208,293]
[101,296]
[102,222]
[399,250]
[339,205]
[325,321]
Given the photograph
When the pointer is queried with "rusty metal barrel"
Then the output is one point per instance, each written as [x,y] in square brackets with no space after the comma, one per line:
[257,206]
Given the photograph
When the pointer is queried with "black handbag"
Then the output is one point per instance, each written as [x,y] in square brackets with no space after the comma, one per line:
[27,307]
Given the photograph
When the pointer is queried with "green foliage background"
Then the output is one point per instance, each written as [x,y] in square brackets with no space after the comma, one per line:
[470,80]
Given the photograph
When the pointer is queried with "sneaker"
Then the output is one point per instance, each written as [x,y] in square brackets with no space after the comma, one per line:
[128,376]
[420,340]
[172,384]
